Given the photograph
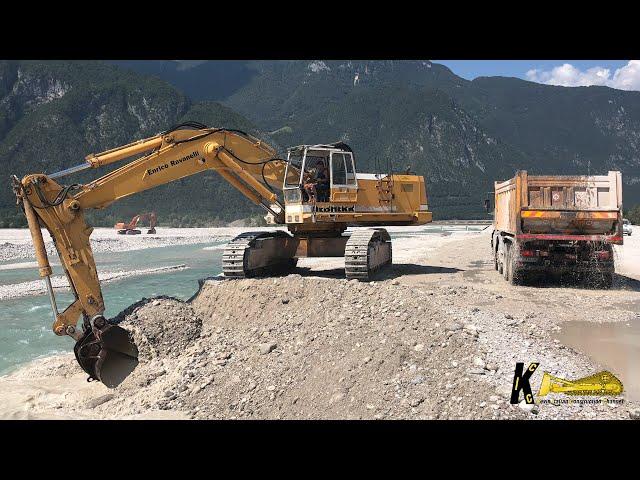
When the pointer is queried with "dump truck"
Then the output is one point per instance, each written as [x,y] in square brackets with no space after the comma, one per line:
[557,225]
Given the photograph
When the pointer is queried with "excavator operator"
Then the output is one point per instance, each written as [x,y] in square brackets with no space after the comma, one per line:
[316,182]
[322,183]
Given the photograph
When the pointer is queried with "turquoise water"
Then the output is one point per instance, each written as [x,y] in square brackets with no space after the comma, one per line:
[25,323]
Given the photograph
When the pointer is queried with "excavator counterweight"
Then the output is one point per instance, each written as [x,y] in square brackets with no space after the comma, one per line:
[322,195]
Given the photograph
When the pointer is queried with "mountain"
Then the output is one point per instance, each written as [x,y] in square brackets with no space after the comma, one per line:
[206,80]
[462,135]
[52,114]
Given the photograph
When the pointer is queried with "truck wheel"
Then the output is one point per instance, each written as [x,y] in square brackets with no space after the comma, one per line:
[607,280]
[516,275]
[500,254]
[506,266]
[495,258]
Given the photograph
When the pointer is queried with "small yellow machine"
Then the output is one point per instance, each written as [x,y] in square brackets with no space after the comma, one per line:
[322,195]
[602,383]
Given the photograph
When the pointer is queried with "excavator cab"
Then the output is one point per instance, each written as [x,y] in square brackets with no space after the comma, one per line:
[317,174]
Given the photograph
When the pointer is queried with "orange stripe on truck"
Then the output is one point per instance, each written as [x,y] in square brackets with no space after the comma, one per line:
[558,214]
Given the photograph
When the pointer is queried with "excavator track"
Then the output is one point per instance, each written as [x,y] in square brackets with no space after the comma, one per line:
[237,261]
[366,252]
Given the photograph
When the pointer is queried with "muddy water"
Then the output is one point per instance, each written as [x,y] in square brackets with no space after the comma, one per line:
[616,346]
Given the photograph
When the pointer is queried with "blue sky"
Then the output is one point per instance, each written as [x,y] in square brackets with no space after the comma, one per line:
[620,74]
[471,69]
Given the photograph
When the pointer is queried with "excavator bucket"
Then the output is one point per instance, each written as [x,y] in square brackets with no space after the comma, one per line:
[106,353]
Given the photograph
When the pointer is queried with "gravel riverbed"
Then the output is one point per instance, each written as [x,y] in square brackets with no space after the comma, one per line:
[437,337]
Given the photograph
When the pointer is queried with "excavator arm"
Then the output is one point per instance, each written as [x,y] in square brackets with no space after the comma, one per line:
[251,166]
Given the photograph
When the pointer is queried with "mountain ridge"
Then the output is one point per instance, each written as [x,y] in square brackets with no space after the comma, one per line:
[461,134]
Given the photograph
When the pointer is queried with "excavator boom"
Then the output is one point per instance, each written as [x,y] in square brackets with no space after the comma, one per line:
[244,161]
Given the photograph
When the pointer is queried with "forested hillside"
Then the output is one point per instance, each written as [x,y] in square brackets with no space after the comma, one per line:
[462,135]
[52,114]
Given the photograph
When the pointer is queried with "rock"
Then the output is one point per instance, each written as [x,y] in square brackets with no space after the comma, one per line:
[395,282]
[478,362]
[508,316]
[285,301]
[527,407]
[267,347]
[336,397]
[271,388]
[419,347]
[94,402]
[455,326]
[634,414]
[418,380]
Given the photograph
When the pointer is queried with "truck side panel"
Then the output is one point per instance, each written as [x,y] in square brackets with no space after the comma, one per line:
[507,206]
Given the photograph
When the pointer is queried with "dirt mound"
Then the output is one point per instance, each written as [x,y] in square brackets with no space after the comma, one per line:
[162,327]
[300,347]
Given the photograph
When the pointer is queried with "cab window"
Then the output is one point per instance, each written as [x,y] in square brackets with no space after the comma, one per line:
[351,173]
[294,168]
[342,169]
[338,169]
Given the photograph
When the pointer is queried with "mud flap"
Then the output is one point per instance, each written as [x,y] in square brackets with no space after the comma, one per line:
[106,353]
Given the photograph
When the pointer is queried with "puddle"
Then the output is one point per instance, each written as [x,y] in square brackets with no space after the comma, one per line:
[616,346]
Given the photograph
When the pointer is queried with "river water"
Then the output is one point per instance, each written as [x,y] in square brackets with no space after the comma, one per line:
[615,345]
[25,322]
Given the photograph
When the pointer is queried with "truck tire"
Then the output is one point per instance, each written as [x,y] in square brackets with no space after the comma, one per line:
[506,266]
[607,280]
[495,258]
[499,260]
[516,276]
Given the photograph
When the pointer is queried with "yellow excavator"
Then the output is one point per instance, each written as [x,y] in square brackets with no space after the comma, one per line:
[316,209]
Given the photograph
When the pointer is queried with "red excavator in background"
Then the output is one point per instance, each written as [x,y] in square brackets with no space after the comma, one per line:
[130,228]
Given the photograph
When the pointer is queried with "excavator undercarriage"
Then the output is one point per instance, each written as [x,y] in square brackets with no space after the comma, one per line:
[253,254]
[323,195]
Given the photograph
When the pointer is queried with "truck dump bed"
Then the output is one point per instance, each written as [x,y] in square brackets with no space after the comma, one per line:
[560,207]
